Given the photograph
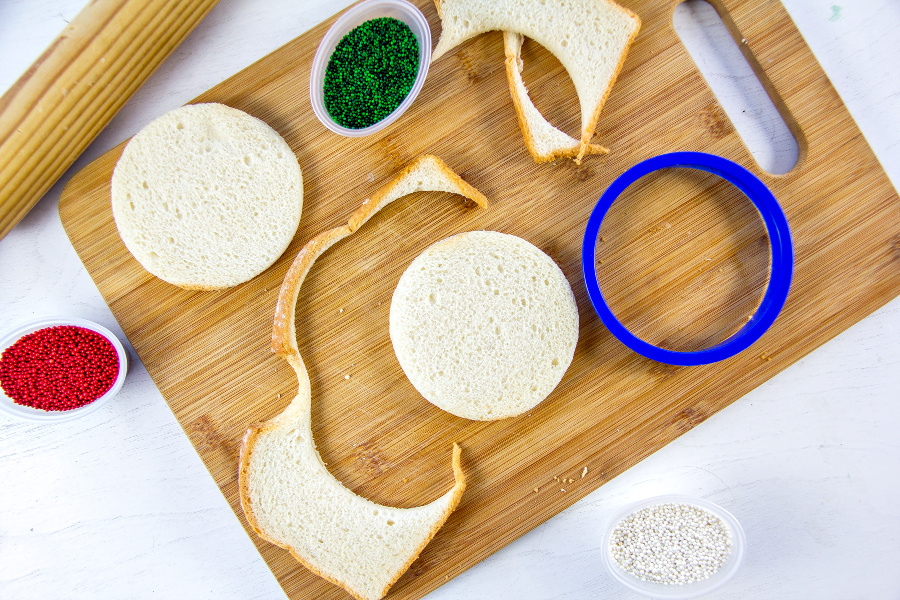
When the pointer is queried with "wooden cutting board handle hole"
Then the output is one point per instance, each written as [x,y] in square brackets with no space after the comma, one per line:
[744,104]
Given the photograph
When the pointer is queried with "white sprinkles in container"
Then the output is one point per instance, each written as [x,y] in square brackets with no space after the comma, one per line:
[672,544]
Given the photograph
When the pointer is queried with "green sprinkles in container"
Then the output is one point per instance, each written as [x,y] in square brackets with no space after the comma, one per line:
[371,72]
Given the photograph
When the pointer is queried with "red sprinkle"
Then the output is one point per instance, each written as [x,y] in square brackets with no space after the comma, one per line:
[58,368]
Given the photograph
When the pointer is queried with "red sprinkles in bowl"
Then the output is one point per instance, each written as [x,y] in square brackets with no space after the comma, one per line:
[58,368]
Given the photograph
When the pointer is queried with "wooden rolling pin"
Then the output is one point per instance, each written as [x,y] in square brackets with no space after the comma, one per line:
[51,114]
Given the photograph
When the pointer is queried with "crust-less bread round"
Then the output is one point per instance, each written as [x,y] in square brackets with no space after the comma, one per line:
[484,324]
[206,196]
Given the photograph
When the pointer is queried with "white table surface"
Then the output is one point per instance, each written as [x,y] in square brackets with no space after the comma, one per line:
[118,505]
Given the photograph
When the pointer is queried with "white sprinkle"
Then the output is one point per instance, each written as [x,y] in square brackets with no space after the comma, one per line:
[673,544]
[346,377]
[583,472]
[340,310]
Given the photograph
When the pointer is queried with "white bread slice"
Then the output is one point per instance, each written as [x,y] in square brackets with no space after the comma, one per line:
[544,141]
[484,324]
[589,37]
[206,196]
[288,496]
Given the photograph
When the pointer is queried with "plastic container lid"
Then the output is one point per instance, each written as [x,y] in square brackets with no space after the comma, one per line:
[353,18]
[28,413]
[688,590]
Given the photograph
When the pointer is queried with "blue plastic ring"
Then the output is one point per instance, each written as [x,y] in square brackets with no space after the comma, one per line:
[779,238]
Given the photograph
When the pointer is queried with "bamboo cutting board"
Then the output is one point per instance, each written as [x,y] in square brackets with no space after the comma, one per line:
[683,259]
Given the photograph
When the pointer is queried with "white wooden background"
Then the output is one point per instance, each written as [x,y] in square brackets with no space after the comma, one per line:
[118,505]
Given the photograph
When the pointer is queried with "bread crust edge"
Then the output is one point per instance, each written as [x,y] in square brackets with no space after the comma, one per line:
[590,127]
[284,344]
[247,444]
[513,56]
[284,339]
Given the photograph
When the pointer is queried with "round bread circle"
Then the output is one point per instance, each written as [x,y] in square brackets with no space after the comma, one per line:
[484,324]
[206,197]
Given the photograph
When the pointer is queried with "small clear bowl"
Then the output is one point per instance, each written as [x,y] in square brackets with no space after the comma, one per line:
[353,18]
[28,413]
[688,590]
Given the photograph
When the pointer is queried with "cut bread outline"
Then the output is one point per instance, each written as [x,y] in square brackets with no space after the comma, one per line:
[552,24]
[295,426]
[544,141]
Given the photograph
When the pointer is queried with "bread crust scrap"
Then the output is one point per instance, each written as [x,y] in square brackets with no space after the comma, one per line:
[544,141]
[284,336]
[589,37]
[282,516]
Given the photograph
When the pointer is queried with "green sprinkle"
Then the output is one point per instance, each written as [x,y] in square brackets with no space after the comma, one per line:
[371,72]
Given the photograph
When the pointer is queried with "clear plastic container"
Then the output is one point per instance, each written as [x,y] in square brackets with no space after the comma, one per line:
[354,17]
[689,590]
[28,413]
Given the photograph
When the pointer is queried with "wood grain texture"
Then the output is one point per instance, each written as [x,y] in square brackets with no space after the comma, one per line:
[209,352]
[51,114]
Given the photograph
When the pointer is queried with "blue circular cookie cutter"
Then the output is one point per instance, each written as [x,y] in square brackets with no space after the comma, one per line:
[779,238]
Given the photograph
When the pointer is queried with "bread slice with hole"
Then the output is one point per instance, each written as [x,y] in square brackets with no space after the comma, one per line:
[287,493]
[544,141]
[589,37]
[484,324]
[206,196]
